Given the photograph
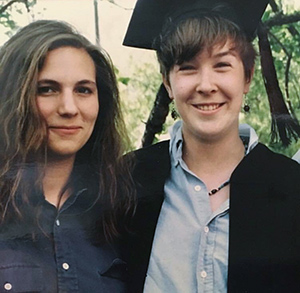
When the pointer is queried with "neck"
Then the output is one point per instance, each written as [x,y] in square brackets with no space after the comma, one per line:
[57,174]
[213,161]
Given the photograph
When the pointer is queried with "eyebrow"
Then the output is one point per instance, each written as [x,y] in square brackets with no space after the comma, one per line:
[54,82]
[231,52]
[86,81]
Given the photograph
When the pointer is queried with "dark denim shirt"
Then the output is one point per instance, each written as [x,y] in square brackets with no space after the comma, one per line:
[63,254]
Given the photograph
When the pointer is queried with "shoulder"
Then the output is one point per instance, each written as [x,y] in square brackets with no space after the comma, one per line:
[152,159]
[264,165]
[271,159]
[156,151]
[261,157]
[151,165]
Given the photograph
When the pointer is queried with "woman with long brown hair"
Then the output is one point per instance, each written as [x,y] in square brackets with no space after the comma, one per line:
[62,140]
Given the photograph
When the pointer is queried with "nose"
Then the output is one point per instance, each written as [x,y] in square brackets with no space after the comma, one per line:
[205,83]
[67,104]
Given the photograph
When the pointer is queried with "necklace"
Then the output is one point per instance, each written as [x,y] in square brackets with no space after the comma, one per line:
[215,190]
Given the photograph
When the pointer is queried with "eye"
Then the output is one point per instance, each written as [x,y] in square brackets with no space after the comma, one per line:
[222,65]
[84,90]
[45,90]
[186,67]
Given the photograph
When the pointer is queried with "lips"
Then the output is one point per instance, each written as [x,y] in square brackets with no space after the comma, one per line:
[65,130]
[208,107]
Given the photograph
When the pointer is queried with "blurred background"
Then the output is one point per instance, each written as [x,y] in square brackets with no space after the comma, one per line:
[104,22]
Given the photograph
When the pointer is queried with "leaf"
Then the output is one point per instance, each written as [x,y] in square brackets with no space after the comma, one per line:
[124,80]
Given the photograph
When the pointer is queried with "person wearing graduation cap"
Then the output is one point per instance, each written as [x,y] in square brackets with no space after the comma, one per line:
[217,210]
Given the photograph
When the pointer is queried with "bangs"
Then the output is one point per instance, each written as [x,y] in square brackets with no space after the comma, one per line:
[181,42]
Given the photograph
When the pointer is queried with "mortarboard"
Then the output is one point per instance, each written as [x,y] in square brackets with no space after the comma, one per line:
[149,16]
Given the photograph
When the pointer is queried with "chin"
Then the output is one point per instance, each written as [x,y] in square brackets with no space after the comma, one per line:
[209,134]
[62,153]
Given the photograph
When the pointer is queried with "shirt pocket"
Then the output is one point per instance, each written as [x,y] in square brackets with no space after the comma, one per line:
[20,278]
[116,270]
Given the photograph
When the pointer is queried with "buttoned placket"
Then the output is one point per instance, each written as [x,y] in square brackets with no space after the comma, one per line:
[205,268]
[204,273]
[209,227]
[65,259]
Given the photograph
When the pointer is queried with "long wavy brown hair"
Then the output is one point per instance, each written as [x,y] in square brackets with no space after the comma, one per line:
[23,131]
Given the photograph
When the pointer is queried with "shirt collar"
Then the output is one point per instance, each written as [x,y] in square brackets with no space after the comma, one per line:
[246,132]
[296,157]
[176,140]
[248,136]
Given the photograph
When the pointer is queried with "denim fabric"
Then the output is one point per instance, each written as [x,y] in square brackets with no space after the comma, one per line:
[58,251]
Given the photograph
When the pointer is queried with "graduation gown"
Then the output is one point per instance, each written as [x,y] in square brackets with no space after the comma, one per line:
[264,225]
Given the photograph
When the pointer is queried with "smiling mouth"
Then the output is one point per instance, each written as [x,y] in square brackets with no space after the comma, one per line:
[65,130]
[208,107]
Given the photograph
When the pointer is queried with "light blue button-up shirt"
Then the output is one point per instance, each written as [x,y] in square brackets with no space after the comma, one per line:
[190,247]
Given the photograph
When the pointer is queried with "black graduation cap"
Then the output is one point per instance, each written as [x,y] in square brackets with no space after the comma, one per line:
[149,16]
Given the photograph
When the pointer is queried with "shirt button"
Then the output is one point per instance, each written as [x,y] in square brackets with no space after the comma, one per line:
[206,229]
[197,188]
[57,222]
[8,286]
[203,274]
[65,266]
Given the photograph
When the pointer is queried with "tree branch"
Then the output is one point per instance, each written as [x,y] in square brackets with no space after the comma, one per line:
[293,31]
[287,74]
[4,7]
[279,43]
[274,6]
[281,19]
[7,5]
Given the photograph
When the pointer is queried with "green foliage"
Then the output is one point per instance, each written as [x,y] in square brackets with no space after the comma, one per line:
[124,80]
[8,9]
[138,95]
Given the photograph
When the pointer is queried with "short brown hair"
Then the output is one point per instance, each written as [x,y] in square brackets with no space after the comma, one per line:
[180,42]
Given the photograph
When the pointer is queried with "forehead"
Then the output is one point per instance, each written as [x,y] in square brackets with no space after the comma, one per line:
[217,50]
[67,61]
[223,48]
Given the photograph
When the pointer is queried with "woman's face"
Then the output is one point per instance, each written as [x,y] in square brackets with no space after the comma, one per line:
[208,92]
[68,99]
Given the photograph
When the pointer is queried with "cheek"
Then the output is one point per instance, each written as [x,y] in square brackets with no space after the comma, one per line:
[92,111]
[185,86]
[44,107]
[233,87]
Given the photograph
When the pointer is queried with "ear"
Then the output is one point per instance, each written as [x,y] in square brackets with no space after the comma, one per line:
[248,81]
[168,87]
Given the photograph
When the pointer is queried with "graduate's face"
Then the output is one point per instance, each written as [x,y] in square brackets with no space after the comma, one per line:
[208,92]
[68,99]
